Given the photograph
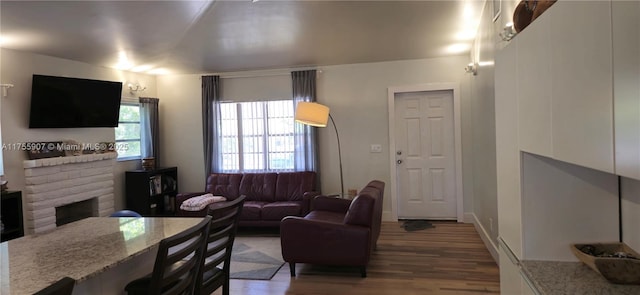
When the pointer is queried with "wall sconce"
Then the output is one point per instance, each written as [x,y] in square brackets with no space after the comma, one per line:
[5,89]
[472,68]
[508,32]
[133,88]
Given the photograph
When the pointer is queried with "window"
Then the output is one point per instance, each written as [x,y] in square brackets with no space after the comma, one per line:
[128,132]
[256,136]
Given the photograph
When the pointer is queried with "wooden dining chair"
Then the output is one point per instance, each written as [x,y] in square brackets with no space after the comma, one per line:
[177,266]
[222,232]
[62,287]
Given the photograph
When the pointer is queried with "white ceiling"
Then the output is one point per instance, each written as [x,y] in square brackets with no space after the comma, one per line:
[223,36]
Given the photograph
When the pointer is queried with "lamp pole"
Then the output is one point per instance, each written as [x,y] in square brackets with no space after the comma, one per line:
[339,154]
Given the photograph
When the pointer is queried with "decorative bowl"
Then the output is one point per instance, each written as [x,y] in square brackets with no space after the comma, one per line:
[616,262]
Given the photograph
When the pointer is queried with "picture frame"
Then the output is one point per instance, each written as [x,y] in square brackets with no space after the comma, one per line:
[497,7]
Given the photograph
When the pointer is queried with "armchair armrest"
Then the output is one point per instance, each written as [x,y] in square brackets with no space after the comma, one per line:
[317,241]
[330,204]
[306,201]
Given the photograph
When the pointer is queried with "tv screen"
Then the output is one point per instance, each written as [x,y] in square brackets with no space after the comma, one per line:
[60,102]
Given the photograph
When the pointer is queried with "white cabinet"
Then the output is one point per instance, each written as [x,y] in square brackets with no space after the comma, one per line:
[581,86]
[507,151]
[626,83]
[510,280]
[564,86]
[534,87]
[513,280]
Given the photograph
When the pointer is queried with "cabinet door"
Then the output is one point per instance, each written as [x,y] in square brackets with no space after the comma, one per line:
[510,280]
[581,86]
[626,83]
[534,87]
[507,152]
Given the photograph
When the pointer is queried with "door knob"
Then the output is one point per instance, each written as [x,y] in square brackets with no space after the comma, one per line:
[399,162]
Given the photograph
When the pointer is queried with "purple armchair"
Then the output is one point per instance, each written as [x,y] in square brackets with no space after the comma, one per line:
[336,231]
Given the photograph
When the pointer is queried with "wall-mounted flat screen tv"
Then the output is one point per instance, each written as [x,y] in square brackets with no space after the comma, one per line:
[61,102]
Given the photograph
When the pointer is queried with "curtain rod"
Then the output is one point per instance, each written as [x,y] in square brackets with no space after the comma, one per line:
[255,75]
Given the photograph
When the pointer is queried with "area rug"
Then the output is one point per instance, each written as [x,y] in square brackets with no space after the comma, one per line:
[255,258]
[413,225]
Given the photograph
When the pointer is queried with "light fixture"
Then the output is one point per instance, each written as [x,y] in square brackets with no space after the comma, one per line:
[508,32]
[317,115]
[472,68]
[133,88]
[5,89]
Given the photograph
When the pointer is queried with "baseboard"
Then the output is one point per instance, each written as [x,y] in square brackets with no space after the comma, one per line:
[470,217]
[387,216]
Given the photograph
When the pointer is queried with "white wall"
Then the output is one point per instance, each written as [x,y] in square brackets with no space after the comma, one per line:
[357,96]
[17,68]
[563,204]
[482,116]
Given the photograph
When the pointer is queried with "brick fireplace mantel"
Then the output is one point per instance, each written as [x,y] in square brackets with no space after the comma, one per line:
[55,182]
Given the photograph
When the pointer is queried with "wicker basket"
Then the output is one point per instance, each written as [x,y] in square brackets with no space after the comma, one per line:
[615,270]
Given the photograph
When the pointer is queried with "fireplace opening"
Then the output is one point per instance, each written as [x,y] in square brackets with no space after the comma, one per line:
[76,211]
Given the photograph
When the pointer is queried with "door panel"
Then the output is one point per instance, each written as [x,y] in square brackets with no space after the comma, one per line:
[425,155]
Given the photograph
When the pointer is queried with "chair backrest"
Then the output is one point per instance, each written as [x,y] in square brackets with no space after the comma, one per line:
[178,261]
[377,211]
[224,184]
[291,186]
[222,233]
[62,287]
[259,186]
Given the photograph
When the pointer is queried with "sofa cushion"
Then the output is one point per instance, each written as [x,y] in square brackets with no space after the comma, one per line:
[279,210]
[251,210]
[224,184]
[259,186]
[291,186]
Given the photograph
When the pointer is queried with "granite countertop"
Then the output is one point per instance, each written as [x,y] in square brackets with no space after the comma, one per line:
[559,278]
[80,250]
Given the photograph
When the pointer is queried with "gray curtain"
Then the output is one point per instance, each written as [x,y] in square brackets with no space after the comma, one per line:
[210,126]
[305,137]
[149,128]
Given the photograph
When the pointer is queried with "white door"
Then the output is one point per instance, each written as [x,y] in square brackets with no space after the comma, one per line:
[425,155]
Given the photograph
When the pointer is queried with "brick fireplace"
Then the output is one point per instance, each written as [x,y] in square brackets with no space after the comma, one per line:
[55,183]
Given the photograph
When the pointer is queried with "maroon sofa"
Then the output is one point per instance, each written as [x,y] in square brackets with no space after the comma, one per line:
[336,231]
[270,196]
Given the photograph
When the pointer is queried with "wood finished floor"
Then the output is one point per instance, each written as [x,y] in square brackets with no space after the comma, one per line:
[447,259]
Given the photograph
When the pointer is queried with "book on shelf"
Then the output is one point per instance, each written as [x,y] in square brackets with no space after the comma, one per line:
[155,184]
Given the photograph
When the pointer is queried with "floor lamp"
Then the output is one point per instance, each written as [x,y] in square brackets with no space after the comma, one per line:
[317,115]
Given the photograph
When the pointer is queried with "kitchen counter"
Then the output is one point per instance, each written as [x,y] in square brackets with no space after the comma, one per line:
[84,250]
[559,278]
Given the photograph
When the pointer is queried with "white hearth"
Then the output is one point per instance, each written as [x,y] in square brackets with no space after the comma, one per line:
[55,182]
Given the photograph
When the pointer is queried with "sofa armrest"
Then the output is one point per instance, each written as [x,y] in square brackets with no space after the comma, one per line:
[330,204]
[306,201]
[317,241]
[184,196]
